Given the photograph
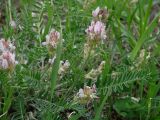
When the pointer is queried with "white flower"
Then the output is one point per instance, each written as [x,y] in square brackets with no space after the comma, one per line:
[44,43]
[94,73]
[13,24]
[86,94]
[135,99]
[3,45]
[11,46]
[34,14]
[81,93]
[51,61]
[96,12]
[100,14]
[64,66]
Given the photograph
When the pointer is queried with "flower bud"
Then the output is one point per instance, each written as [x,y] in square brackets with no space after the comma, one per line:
[52,39]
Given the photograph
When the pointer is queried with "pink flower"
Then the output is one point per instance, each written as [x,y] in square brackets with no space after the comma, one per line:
[7,56]
[99,27]
[3,64]
[10,57]
[52,38]
[96,30]
[6,45]
[7,60]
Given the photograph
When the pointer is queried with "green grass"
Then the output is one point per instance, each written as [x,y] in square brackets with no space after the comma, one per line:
[127,87]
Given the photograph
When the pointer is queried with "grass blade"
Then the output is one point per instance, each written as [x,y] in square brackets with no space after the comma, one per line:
[55,67]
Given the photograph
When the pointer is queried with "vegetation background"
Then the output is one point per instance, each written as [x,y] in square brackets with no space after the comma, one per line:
[128,86]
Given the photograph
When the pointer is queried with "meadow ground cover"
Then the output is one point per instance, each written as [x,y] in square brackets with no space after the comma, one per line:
[79,60]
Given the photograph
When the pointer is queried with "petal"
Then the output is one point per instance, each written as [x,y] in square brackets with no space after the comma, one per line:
[44,43]
[47,37]
[96,12]
[4,64]
[81,93]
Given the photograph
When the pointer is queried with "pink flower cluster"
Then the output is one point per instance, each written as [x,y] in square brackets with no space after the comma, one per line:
[96,31]
[7,55]
[52,38]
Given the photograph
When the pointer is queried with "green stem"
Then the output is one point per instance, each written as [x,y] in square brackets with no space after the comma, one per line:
[9,10]
[99,110]
[55,67]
